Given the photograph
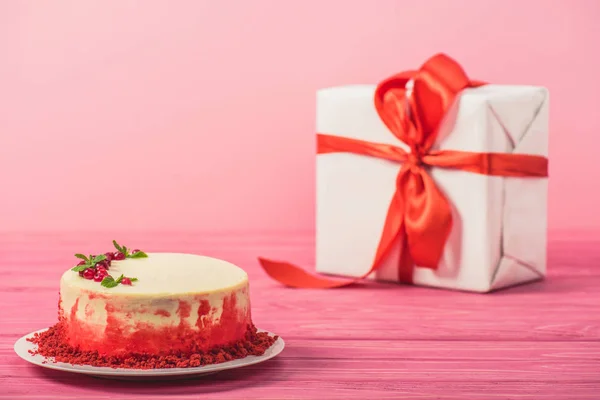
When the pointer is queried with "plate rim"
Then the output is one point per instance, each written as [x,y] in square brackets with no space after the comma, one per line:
[22,347]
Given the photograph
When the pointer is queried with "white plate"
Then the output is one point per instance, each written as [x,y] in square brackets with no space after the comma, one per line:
[22,347]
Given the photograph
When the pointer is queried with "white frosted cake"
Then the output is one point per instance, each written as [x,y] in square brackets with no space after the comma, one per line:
[124,307]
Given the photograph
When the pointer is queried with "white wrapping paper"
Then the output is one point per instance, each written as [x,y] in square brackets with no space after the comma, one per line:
[499,223]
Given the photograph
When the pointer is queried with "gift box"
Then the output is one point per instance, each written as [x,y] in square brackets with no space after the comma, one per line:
[451,178]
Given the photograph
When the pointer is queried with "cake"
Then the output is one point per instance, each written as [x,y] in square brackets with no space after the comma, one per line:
[152,310]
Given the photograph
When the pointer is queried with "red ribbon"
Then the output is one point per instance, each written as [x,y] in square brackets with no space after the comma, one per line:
[418,211]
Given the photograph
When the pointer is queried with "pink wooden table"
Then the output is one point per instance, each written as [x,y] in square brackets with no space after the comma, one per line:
[374,342]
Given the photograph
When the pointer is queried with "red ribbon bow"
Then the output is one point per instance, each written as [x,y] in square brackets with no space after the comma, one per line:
[418,210]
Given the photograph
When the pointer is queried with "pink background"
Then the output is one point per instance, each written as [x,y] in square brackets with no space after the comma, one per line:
[199,115]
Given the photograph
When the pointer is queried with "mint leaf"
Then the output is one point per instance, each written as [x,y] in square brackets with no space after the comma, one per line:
[84,258]
[118,247]
[79,268]
[109,282]
[133,279]
[125,251]
[99,258]
[139,254]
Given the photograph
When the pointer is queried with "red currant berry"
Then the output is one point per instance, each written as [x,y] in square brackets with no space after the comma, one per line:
[119,256]
[135,251]
[126,281]
[109,256]
[89,273]
[100,275]
[80,273]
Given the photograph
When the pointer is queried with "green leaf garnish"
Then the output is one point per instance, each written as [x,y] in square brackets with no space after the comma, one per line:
[80,268]
[110,282]
[99,258]
[117,246]
[126,252]
[138,254]
[87,263]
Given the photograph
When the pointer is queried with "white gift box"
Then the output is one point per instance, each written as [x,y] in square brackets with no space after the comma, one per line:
[499,223]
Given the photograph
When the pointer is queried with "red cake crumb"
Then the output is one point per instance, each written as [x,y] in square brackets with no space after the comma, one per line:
[52,343]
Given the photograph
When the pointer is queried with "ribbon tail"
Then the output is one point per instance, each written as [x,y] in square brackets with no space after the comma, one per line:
[406,266]
[294,276]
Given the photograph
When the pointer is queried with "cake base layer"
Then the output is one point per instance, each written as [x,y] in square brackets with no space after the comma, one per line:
[119,325]
[53,343]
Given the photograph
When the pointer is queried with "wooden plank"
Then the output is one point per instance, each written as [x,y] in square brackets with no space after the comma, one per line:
[405,367]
